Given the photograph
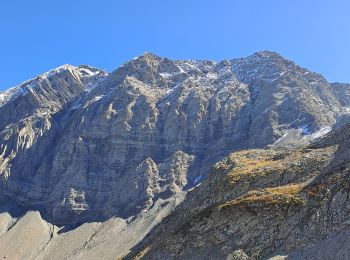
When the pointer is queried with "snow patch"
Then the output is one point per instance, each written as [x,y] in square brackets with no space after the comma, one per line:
[197,180]
[346,110]
[90,76]
[323,131]
[300,135]
[280,102]
[279,140]
[165,75]
[211,75]
[93,100]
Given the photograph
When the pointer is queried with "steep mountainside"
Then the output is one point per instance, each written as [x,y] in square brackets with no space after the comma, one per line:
[264,203]
[80,145]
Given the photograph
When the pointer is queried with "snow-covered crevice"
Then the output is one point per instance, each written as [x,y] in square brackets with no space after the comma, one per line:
[300,135]
[322,132]
[90,76]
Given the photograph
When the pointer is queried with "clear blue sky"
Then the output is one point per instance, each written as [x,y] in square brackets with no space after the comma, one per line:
[39,35]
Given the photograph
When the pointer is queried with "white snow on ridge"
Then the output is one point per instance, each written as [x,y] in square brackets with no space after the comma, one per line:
[56,71]
[323,131]
[88,72]
[9,94]
[23,88]
[90,77]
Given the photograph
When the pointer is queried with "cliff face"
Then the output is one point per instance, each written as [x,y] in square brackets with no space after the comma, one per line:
[263,203]
[80,145]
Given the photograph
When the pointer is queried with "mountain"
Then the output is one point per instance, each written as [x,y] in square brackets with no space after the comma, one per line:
[86,155]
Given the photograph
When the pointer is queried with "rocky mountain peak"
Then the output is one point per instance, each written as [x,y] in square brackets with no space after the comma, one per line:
[149,56]
[146,59]
[163,66]
[263,65]
[268,54]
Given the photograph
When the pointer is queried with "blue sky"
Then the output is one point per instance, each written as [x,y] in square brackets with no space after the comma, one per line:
[39,35]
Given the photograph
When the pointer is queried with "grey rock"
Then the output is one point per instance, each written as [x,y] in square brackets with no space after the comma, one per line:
[82,145]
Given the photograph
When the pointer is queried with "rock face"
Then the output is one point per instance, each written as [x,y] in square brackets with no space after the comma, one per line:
[79,144]
[342,91]
[264,203]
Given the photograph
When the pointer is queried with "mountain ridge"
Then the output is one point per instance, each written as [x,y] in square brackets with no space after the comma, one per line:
[156,81]
[83,146]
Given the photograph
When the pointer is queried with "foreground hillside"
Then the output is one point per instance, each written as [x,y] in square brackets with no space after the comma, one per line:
[258,204]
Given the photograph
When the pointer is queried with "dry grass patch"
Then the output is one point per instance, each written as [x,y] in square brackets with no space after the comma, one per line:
[283,195]
[142,253]
[259,162]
